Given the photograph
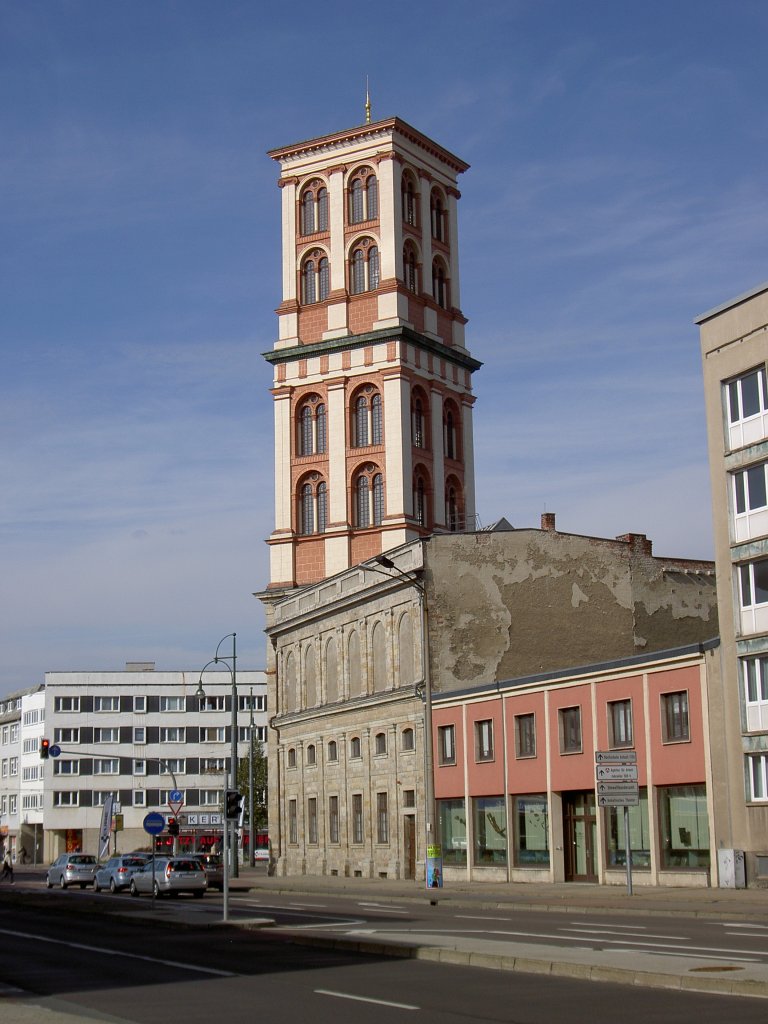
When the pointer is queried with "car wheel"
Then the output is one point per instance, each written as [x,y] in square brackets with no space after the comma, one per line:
[96,886]
[48,883]
[134,890]
[112,886]
[62,883]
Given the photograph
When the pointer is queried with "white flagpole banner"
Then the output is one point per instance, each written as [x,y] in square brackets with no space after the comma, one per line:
[106,826]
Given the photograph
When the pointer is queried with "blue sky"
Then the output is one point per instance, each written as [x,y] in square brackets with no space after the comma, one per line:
[617,189]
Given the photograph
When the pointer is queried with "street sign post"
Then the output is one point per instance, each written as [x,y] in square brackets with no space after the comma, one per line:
[616,786]
[615,757]
[616,772]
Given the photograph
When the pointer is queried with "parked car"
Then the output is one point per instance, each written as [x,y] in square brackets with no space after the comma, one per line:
[116,873]
[213,867]
[170,875]
[71,869]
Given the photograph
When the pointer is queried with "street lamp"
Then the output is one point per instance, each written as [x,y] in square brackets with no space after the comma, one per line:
[230,662]
[425,691]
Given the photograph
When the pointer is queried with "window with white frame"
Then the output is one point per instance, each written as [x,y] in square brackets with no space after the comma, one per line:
[218,703]
[754,583]
[139,734]
[750,501]
[140,704]
[31,745]
[14,766]
[620,723]
[66,704]
[484,740]
[757,770]
[31,801]
[525,735]
[173,734]
[106,766]
[15,732]
[139,766]
[173,765]
[213,765]
[66,737]
[675,726]
[31,774]
[747,407]
[66,798]
[213,734]
[13,803]
[65,767]
[174,704]
[31,717]
[211,797]
[106,704]
[4,768]
[754,677]
[446,744]
[570,730]
[139,798]
[100,797]
[111,735]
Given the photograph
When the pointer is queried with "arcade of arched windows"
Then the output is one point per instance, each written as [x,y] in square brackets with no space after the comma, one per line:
[313,208]
[311,427]
[355,661]
[366,426]
[315,278]
[312,505]
[368,507]
[364,267]
[363,196]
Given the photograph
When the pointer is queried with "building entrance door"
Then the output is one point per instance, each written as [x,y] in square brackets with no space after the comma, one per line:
[580,834]
[409,846]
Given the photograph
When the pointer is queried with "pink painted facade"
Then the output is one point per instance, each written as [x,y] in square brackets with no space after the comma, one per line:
[522,774]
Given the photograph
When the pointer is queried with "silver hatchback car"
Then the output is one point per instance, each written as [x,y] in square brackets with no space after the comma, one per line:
[71,869]
[116,873]
[171,875]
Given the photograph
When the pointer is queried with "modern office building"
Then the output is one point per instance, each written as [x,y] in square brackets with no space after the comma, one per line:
[734,348]
[136,737]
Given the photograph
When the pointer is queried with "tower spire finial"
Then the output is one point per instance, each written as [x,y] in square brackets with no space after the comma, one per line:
[367,102]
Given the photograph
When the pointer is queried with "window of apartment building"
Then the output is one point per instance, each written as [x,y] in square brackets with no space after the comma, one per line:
[525,735]
[4,768]
[446,744]
[31,745]
[380,743]
[15,733]
[31,774]
[140,734]
[639,835]
[14,766]
[531,830]
[312,820]
[32,801]
[409,798]
[4,735]
[382,818]
[354,747]
[620,732]
[66,737]
[165,796]
[490,830]
[173,734]
[213,764]
[99,797]
[105,704]
[260,732]
[293,823]
[139,798]
[291,757]
[106,766]
[684,827]
[757,770]
[484,740]
[66,798]
[64,767]
[357,818]
[173,765]
[211,797]
[570,730]
[747,395]
[30,717]
[333,751]
[106,735]
[174,704]
[213,734]
[311,754]
[214,704]
[13,803]
[408,740]
[140,705]
[674,717]
[750,489]
[333,819]
[66,704]
[754,675]
[139,767]
[754,583]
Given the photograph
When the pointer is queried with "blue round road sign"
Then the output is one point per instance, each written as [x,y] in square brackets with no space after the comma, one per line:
[175,796]
[154,823]
[54,750]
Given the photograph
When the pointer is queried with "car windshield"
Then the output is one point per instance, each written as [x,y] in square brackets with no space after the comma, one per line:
[83,858]
[134,862]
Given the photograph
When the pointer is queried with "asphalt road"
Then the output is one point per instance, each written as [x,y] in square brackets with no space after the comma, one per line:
[63,950]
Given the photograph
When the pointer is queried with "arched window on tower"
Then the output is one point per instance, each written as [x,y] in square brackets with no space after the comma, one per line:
[322,209]
[322,507]
[363,196]
[364,267]
[313,208]
[409,199]
[420,511]
[368,498]
[313,506]
[315,278]
[323,279]
[311,427]
[376,431]
[451,447]
[308,213]
[378,499]
[306,431]
[308,290]
[366,417]
[439,284]
[362,503]
[320,430]
[361,422]
[454,513]
[372,197]
[410,268]
[307,510]
[438,216]
[419,420]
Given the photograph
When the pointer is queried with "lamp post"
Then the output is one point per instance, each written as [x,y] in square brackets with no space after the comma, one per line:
[230,849]
[426,683]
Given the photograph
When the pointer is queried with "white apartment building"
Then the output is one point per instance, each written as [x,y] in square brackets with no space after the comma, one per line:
[139,735]
[21,780]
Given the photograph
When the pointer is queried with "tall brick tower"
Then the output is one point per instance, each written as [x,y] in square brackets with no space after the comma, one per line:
[372,378]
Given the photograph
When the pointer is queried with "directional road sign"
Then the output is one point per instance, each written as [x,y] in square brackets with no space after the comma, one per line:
[616,772]
[617,794]
[154,823]
[616,757]
[54,750]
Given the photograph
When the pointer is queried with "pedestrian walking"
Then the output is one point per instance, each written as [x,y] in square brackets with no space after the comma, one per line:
[7,871]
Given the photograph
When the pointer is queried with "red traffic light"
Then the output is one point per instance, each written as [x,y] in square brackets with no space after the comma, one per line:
[44,748]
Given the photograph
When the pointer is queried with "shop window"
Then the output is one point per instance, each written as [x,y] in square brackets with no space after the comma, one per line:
[639,835]
[531,831]
[684,827]
[490,829]
[452,831]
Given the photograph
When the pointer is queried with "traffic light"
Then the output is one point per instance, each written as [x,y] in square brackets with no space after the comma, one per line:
[173,826]
[233,805]
[44,747]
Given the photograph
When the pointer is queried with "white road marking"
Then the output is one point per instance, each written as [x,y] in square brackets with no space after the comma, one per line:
[745,924]
[364,999]
[382,906]
[118,952]
[316,906]
[610,931]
